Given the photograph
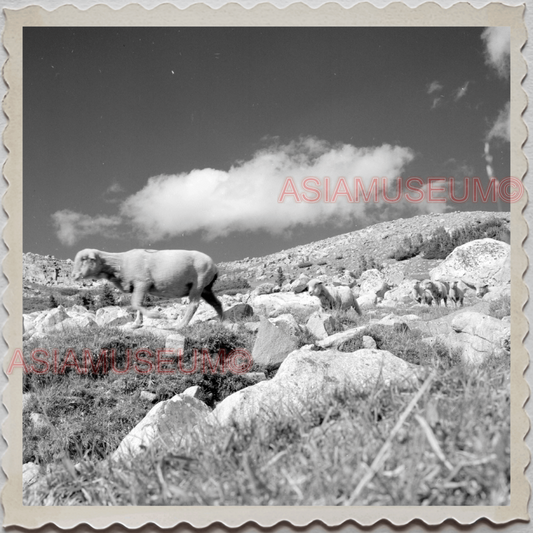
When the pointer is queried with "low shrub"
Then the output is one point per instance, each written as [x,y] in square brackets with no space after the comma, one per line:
[500,307]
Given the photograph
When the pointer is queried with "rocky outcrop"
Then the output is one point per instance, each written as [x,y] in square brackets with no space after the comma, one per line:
[167,424]
[308,379]
[272,305]
[272,345]
[481,262]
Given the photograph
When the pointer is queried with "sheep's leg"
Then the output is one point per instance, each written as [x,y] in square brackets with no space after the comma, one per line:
[137,298]
[209,296]
[138,320]
[191,309]
[357,308]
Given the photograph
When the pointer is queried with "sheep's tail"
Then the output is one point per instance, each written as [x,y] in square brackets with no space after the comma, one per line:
[212,282]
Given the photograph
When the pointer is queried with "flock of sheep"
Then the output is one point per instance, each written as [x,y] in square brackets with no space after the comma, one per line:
[179,273]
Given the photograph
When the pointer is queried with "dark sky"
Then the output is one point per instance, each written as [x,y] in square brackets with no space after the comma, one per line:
[183,137]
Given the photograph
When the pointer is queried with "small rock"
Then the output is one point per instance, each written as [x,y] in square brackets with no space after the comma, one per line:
[194,392]
[175,343]
[369,343]
[149,396]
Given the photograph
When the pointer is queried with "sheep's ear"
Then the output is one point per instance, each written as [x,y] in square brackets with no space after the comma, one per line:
[91,255]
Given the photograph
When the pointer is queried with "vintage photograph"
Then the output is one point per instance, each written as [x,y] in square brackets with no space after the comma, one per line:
[266,266]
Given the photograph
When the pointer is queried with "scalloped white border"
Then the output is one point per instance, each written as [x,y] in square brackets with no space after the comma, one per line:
[234,516]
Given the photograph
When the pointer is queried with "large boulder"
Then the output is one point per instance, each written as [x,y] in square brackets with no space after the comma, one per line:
[75,323]
[112,316]
[51,319]
[238,312]
[366,300]
[400,294]
[482,335]
[480,262]
[341,337]
[298,305]
[371,281]
[272,345]
[444,324]
[288,324]
[321,324]
[168,424]
[476,337]
[308,379]
[300,285]
[264,288]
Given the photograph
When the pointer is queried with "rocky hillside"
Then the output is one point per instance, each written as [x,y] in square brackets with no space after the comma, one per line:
[46,270]
[332,256]
[326,257]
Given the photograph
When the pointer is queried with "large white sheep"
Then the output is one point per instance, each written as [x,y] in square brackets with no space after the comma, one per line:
[169,273]
[340,297]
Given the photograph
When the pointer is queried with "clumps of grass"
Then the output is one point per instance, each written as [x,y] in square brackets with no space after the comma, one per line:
[319,456]
[500,307]
[86,413]
[346,319]
[408,248]
[365,263]
[404,343]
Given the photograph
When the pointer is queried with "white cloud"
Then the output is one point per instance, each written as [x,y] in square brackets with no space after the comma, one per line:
[460,91]
[112,195]
[501,129]
[434,86]
[246,196]
[497,49]
[72,226]
[114,188]
[437,102]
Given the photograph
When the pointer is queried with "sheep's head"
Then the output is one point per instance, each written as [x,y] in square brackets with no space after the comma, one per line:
[315,287]
[428,285]
[482,290]
[87,264]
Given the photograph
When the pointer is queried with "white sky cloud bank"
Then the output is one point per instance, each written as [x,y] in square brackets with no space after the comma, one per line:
[501,129]
[72,226]
[497,49]
[246,197]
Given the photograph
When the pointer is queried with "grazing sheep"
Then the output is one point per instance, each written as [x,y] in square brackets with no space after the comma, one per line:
[437,289]
[170,273]
[333,297]
[482,290]
[417,292]
[427,297]
[424,292]
[380,294]
[456,294]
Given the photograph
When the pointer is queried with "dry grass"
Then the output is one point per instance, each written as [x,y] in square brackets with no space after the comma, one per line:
[452,449]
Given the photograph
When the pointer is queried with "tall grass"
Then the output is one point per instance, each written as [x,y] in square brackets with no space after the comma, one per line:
[320,457]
